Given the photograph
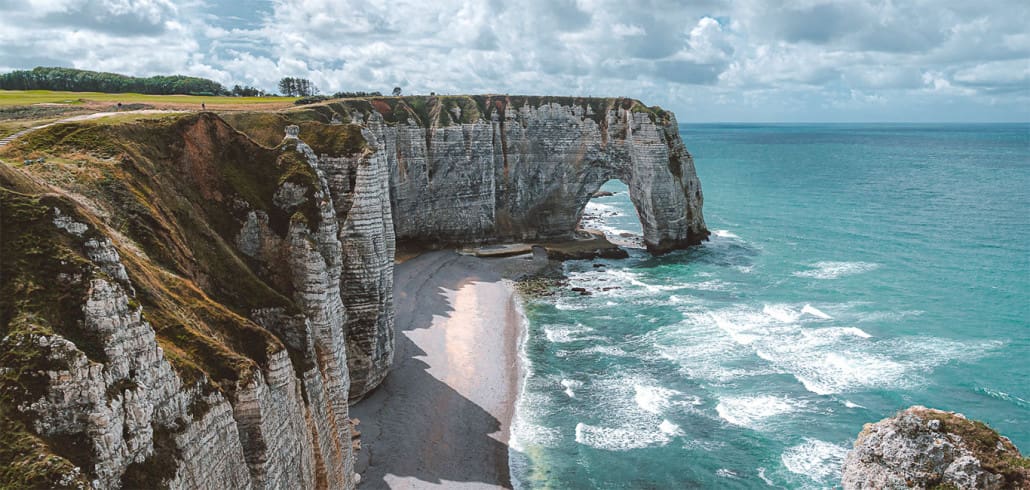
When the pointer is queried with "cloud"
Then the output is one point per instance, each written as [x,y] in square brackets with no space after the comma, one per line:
[797,59]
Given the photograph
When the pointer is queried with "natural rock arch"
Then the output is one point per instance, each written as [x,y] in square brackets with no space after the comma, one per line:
[525,172]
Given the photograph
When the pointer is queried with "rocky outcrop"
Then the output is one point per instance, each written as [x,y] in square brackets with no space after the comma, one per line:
[926,448]
[523,169]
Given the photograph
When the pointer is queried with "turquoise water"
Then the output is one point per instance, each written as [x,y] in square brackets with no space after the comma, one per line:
[854,270]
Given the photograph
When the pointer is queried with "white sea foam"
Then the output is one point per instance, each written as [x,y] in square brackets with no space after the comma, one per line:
[833,270]
[1001,395]
[570,386]
[851,404]
[811,310]
[753,411]
[727,473]
[724,234]
[564,334]
[713,285]
[815,459]
[669,428]
[761,474]
[888,316]
[525,434]
[656,399]
[609,350]
[836,373]
[596,208]
[620,438]
[781,313]
[712,344]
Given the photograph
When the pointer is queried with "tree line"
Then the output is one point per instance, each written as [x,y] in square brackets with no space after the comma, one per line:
[71,79]
[75,80]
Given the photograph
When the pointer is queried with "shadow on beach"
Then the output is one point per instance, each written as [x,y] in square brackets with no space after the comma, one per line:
[418,431]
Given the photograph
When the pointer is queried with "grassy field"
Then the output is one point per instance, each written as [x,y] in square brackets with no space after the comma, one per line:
[29,97]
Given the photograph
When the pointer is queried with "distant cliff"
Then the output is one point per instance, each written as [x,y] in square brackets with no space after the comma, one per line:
[190,302]
[926,448]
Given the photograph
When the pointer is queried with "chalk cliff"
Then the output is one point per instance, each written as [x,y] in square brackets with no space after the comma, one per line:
[926,448]
[189,301]
[503,168]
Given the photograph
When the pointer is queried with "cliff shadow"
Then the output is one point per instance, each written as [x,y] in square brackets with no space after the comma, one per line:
[418,426]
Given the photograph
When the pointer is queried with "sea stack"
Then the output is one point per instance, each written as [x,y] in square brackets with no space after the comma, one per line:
[925,448]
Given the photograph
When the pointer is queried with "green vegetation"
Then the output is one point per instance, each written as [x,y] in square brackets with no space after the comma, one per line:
[27,461]
[28,97]
[996,454]
[54,78]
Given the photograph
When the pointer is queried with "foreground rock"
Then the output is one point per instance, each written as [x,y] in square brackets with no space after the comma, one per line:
[925,448]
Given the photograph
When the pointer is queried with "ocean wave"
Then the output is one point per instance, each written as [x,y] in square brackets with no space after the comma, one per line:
[656,399]
[833,270]
[570,386]
[752,412]
[887,316]
[593,207]
[727,473]
[560,335]
[818,460]
[724,234]
[1001,395]
[811,310]
[525,434]
[712,344]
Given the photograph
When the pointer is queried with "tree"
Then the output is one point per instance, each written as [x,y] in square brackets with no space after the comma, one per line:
[297,87]
[396,91]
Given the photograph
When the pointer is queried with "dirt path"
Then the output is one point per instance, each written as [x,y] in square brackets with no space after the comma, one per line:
[85,117]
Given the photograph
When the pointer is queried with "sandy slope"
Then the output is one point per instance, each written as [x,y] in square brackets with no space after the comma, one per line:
[442,417]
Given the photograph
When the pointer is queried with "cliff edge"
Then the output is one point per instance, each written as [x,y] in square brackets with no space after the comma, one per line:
[925,448]
[192,301]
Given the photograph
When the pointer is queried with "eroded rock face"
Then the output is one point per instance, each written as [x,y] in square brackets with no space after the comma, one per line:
[926,448]
[525,173]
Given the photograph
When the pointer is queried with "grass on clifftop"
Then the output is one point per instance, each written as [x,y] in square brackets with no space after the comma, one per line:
[170,189]
[29,97]
[448,110]
[996,453]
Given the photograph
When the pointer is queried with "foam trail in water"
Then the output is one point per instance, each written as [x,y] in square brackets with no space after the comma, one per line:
[833,270]
[811,310]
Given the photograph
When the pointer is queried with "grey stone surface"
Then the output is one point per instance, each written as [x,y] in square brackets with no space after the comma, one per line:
[525,173]
[914,449]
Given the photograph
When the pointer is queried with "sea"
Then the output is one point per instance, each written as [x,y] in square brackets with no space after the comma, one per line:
[853,270]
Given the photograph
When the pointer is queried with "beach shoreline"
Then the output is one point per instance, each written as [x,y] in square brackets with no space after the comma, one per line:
[443,415]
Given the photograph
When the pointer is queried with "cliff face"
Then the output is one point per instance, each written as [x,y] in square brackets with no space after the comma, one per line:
[926,448]
[173,315]
[184,305]
[499,169]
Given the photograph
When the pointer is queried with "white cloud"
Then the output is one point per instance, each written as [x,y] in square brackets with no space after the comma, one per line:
[801,59]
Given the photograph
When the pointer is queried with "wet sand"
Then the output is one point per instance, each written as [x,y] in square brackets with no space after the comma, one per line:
[441,418]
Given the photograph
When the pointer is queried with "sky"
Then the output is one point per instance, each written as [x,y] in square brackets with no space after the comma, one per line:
[707,60]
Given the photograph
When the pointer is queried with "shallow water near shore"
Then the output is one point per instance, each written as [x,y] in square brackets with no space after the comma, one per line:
[853,270]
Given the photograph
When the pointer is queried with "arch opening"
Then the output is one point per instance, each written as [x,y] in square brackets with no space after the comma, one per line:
[610,210]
